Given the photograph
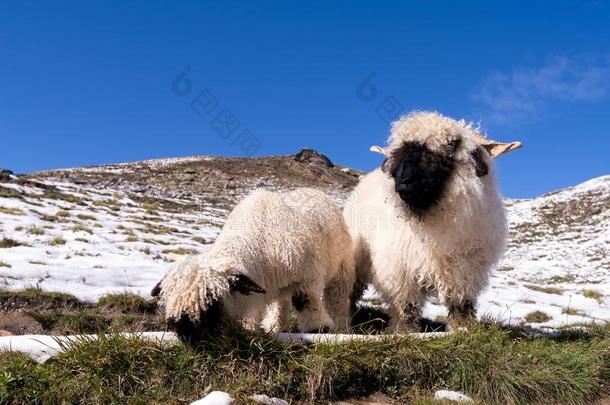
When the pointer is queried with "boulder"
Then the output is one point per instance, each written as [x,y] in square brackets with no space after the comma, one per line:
[6,175]
[312,156]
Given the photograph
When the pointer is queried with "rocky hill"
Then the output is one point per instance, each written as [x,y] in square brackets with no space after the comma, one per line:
[218,182]
[94,230]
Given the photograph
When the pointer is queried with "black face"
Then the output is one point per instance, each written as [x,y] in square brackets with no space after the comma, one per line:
[420,174]
[193,332]
[210,322]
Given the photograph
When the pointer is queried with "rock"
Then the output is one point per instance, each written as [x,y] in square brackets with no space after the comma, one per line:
[452,396]
[6,175]
[265,399]
[215,398]
[5,333]
[308,155]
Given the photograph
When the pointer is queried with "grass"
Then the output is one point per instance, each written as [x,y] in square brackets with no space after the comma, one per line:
[568,278]
[200,239]
[71,323]
[40,262]
[31,296]
[127,303]
[54,194]
[10,193]
[571,311]
[593,294]
[537,317]
[51,218]
[57,241]
[4,264]
[109,204]
[546,290]
[86,217]
[155,241]
[128,231]
[150,207]
[81,228]
[180,251]
[159,229]
[63,213]
[11,211]
[492,365]
[10,243]
[527,301]
[34,230]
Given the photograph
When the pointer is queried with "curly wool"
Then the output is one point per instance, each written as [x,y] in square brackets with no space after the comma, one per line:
[451,249]
[286,243]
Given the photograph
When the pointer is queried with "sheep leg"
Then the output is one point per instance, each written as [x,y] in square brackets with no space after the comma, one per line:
[461,313]
[311,312]
[363,265]
[337,297]
[406,313]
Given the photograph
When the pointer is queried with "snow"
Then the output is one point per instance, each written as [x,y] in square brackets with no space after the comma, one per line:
[451,396]
[265,399]
[115,251]
[43,347]
[125,248]
[215,398]
[344,338]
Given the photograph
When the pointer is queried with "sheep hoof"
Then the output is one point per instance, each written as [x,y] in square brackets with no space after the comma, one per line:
[461,315]
[459,324]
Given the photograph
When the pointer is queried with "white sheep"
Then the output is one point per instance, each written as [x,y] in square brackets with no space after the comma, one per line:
[430,220]
[274,250]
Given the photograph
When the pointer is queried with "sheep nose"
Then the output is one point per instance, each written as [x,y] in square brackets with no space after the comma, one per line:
[186,329]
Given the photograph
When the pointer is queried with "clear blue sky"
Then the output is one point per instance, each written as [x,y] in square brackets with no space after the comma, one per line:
[84,83]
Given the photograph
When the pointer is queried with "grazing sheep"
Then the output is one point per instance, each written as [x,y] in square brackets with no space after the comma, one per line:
[430,220]
[276,249]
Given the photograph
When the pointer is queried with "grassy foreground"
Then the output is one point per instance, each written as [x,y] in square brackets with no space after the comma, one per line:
[492,365]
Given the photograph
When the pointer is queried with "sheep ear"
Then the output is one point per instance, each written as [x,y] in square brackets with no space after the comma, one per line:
[157,289]
[379,149]
[244,285]
[496,149]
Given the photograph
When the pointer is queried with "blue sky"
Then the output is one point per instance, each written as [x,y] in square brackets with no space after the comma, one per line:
[92,83]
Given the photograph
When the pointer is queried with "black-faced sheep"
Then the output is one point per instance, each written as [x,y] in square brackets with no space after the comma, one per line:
[276,250]
[431,219]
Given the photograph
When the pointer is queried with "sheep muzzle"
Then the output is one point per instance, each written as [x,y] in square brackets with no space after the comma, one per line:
[420,174]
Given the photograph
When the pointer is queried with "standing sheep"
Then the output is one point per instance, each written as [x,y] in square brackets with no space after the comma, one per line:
[275,249]
[430,220]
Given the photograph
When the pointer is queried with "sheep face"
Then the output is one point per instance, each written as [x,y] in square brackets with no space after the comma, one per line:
[420,173]
[195,294]
[431,157]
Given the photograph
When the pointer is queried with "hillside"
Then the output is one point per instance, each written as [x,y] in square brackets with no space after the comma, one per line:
[117,228]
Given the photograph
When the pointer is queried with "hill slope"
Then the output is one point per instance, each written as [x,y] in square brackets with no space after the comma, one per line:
[95,230]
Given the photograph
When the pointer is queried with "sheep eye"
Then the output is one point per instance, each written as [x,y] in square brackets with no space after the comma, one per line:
[480,166]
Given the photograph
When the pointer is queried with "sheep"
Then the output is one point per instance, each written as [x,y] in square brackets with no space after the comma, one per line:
[275,250]
[430,220]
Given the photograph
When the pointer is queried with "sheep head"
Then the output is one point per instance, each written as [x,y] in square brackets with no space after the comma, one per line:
[195,291]
[424,151]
